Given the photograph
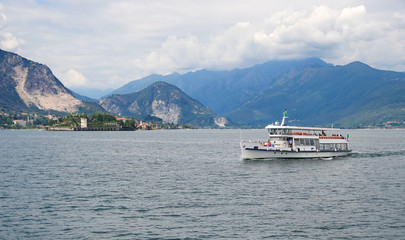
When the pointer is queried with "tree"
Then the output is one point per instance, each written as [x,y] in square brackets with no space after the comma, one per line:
[102,117]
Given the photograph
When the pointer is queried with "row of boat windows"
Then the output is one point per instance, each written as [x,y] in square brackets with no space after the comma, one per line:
[304,142]
[333,146]
[279,131]
[322,146]
[290,132]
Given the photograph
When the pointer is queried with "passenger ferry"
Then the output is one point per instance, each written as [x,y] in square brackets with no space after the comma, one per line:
[297,142]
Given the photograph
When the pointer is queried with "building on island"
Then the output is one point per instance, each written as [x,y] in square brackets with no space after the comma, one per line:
[20,122]
[121,119]
[83,123]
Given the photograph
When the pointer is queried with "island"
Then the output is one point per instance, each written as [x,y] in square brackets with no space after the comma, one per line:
[108,122]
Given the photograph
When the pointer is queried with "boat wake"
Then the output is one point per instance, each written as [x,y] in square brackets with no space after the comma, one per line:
[378,154]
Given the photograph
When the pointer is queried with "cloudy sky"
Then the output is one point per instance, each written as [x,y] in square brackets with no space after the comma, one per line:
[107,43]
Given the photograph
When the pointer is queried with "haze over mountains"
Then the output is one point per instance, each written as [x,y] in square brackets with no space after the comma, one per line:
[314,92]
[93,94]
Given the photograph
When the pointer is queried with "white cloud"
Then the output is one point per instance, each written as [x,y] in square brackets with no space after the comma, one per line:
[73,78]
[114,80]
[318,32]
[3,18]
[7,40]
[131,39]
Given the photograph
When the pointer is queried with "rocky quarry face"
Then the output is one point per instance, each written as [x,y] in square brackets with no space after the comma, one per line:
[221,121]
[35,84]
[167,112]
[43,96]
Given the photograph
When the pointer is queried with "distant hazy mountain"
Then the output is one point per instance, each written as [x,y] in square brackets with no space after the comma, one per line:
[164,101]
[83,98]
[25,84]
[313,91]
[93,94]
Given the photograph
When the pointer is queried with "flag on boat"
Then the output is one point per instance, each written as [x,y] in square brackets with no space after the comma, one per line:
[285,113]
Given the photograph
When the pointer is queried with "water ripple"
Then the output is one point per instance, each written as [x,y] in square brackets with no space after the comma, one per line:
[193,185]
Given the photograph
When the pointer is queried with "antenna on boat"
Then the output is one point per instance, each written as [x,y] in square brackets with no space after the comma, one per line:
[283,123]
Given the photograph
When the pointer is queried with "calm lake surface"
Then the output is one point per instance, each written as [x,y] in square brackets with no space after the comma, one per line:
[192,184]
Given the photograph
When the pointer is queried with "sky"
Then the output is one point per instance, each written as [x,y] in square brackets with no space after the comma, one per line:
[107,43]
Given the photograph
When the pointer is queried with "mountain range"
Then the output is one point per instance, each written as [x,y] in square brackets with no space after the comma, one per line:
[313,91]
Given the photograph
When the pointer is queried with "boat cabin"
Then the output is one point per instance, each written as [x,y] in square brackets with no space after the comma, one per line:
[297,142]
[306,138]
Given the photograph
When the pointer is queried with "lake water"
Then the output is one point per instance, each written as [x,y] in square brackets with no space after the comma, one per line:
[192,184]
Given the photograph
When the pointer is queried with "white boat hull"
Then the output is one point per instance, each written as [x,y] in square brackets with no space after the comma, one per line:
[272,154]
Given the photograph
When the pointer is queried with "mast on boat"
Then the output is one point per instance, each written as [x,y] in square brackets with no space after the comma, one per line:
[283,122]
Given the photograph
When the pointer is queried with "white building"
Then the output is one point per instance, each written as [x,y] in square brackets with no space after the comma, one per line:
[83,122]
[20,122]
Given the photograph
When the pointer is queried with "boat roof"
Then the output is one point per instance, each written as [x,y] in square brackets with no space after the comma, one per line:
[284,126]
[271,126]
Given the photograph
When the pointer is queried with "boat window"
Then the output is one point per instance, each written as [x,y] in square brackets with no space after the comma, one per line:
[297,142]
[327,146]
[279,132]
[341,146]
[312,142]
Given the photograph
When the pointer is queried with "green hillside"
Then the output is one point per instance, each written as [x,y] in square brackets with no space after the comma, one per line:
[354,95]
